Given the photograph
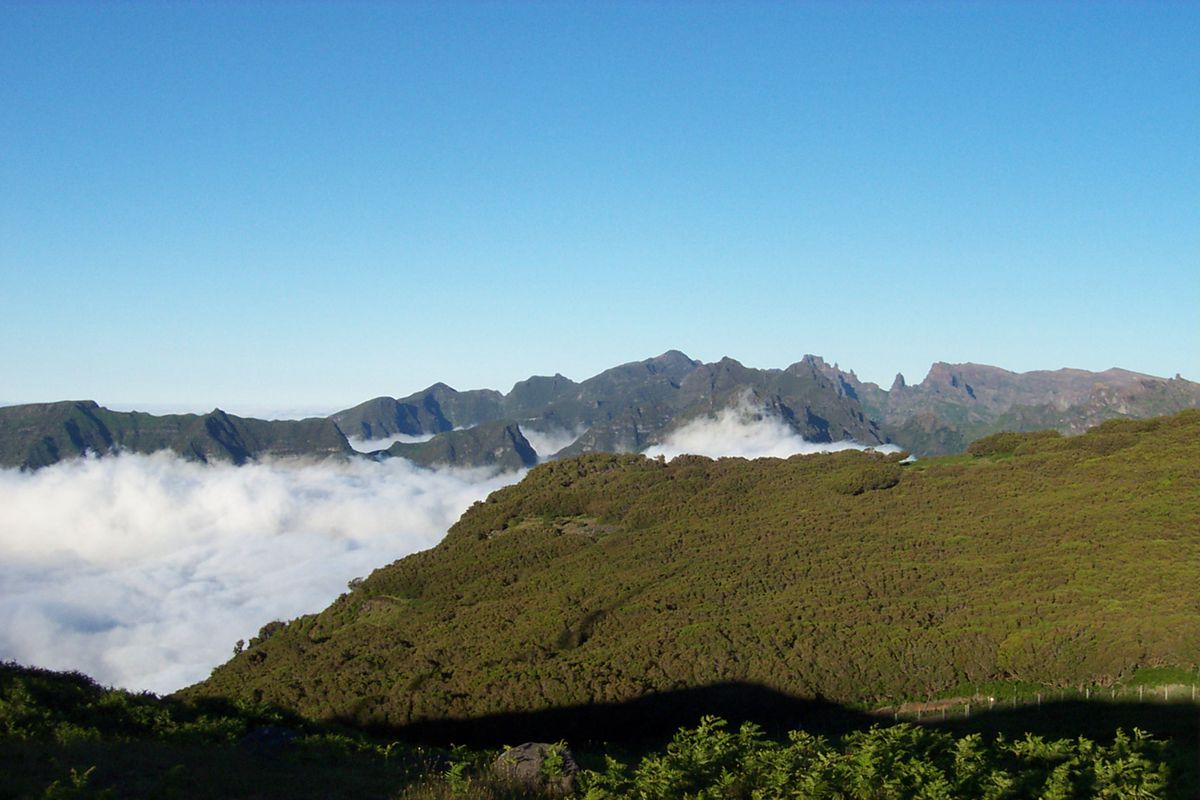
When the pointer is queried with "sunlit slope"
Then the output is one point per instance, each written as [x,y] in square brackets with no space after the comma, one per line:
[850,576]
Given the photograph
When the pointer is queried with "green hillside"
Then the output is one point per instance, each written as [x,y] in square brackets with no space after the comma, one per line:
[851,577]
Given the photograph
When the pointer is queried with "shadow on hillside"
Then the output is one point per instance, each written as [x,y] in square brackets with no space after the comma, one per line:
[648,721]
[650,718]
[1094,719]
[1178,723]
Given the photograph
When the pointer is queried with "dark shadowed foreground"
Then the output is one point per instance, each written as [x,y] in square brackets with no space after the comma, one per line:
[62,736]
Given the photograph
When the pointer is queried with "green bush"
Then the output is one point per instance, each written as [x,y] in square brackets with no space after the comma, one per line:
[895,763]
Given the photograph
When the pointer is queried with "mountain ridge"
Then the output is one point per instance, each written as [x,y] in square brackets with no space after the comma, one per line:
[626,408]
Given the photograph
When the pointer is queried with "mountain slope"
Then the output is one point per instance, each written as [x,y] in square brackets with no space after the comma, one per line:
[849,576]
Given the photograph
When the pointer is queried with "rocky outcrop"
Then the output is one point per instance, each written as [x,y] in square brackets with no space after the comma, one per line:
[539,768]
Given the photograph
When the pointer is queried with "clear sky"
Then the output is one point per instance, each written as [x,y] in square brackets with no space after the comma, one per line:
[281,205]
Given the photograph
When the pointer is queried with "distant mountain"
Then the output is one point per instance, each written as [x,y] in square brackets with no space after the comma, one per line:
[852,577]
[624,409]
[636,405]
[491,444]
[38,435]
[628,407]
[434,410]
[958,403]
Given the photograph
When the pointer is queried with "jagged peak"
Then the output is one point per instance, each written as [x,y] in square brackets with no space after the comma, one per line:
[810,364]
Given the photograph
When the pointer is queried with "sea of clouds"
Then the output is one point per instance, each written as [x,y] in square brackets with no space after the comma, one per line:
[143,571]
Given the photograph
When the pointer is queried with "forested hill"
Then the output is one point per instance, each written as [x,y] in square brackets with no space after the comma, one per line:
[851,576]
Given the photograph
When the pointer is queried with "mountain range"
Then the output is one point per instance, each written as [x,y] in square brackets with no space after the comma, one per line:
[623,409]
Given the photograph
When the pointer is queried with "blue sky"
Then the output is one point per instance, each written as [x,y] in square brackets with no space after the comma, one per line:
[300,206]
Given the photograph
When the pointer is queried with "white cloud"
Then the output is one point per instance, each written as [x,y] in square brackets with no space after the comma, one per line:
[371,445]
[745,431]
[548,442]
[142,571]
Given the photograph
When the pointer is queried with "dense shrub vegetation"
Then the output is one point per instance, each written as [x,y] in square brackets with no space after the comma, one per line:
[62,736]
[903,761]
[1058,561]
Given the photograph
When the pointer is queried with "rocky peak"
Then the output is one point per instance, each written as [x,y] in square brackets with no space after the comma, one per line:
[673,363]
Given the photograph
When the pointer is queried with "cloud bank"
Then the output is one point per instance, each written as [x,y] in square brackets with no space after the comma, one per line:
[142,571]
[749,433]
